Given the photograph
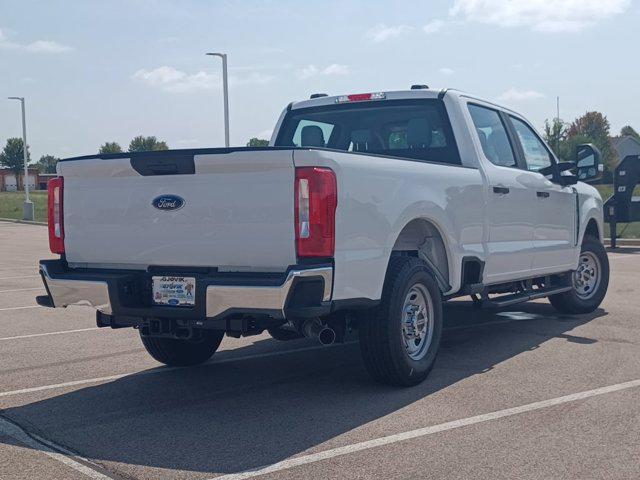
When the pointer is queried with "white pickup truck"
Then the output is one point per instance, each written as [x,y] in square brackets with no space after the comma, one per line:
[366,212]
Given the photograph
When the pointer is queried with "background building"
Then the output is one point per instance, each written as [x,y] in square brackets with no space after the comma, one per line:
[37,180]
[625,145]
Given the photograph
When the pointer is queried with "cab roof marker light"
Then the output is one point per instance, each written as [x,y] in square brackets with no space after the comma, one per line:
[361,97]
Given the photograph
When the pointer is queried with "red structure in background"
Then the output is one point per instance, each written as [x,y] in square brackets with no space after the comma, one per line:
[9,182]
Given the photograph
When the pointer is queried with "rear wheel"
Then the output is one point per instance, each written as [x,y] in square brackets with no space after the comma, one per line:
[590,281]
[400,341]
[183,353]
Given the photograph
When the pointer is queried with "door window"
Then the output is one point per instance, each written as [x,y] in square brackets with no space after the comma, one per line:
[536,154]
[493,136]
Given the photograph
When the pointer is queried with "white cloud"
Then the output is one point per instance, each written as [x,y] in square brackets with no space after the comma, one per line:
[433,27]
[172,80]
[336,69]
[515,95]
[381,32]
[47,46]
[308,72]
[539,15]
[333,69]
[446,71]
[39,46]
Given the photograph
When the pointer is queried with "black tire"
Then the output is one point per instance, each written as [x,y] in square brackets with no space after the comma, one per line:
[183,353]
[571,302]
[385,355]
[283,334]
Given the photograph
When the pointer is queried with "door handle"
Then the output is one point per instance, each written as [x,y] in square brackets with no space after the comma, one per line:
[501,190]
[542,194]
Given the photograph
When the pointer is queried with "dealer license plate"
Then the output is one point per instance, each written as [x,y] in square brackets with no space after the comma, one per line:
[174,291]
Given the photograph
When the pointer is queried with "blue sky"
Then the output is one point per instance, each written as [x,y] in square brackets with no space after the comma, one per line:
[96,71]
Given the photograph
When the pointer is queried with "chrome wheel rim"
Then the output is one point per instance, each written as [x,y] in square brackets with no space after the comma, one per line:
[417,322]
[586,278]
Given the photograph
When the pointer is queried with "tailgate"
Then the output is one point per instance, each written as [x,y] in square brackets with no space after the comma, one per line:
[237,210]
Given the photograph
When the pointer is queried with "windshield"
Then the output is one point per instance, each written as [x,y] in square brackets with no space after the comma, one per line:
[414,129]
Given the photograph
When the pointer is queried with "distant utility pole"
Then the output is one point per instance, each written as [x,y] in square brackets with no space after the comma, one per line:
[27,208]
[225,91]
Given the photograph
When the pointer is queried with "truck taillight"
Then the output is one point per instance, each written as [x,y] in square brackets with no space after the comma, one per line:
[315,209]
[54,214]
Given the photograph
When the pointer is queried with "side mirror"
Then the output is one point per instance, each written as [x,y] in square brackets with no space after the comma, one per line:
[588,162]
[566,177]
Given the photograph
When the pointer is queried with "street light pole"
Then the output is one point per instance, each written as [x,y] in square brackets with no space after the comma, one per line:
[27,209]
[225,91]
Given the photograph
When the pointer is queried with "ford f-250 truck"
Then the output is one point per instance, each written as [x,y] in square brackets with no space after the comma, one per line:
[366,212]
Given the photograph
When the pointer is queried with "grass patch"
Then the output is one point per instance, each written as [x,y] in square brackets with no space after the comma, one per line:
[11,204]
[605,191]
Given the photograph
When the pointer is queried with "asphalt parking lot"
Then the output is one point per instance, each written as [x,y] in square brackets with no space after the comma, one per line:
[524,393]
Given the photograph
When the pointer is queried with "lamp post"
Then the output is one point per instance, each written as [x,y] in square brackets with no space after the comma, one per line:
[225,90]
[27,208]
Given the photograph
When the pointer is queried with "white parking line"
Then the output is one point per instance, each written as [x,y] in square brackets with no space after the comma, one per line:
[19,268]
[19,308]
[21,290]
[20,276]
[622,255]
[18,337]
[423,432]
[165,369]
[50,449]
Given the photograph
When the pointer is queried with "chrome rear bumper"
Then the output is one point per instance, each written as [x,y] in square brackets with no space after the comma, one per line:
[222,298]
[102,291]
[65,292]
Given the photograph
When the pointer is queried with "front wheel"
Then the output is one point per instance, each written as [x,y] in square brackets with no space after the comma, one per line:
[400,341]
[590,281]
[183,353]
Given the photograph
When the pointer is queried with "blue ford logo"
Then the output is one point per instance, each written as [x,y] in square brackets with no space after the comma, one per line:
[168,202]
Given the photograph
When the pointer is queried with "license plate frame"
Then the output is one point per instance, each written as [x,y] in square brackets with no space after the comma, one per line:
[173,291]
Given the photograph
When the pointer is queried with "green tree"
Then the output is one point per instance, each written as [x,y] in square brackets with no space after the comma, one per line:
[257,142]
[146,144]
[110,147]
[555,134]
[12,156]
[628,130]
[594,128]
[47,164]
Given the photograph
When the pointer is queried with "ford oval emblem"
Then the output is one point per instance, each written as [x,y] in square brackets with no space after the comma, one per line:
[168,202]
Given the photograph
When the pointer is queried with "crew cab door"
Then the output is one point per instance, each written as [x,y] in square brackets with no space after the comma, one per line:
[510,218]
[555,206]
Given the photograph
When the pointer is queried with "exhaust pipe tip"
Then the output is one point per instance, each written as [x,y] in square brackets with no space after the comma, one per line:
[327,336]
[315,329]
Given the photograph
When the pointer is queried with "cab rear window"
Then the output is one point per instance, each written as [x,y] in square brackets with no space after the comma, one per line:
[412,129]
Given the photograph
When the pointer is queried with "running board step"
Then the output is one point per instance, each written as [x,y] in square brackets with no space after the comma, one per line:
[513,299]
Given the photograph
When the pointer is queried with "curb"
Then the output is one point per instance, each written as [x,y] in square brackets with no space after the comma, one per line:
[621,242]
[28,222]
